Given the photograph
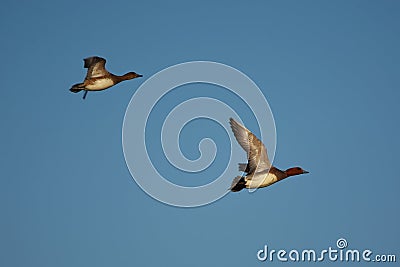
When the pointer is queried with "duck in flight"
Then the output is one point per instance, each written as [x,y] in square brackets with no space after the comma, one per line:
[259,171]
[98,78]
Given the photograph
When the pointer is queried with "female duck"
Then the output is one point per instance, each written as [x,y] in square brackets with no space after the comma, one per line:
[98,78]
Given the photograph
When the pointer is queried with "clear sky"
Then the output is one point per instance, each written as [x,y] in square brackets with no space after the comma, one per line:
[329,70]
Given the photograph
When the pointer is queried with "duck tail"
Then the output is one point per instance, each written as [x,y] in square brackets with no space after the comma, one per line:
[238,184]
[76,88]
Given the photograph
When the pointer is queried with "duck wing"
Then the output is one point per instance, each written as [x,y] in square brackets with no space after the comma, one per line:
[257,155]
[95,66]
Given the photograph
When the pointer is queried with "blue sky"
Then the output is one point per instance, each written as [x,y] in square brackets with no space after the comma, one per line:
[329,70]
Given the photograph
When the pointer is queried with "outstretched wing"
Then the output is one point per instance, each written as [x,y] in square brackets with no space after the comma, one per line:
[95,66]
[256,152]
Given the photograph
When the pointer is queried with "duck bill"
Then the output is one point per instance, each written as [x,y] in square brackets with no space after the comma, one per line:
[305,172]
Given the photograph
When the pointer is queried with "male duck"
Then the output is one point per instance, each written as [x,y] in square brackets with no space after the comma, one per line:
[260,172]
[98,78]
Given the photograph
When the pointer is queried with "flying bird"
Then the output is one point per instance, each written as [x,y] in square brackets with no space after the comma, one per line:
[98,78]
[259,171]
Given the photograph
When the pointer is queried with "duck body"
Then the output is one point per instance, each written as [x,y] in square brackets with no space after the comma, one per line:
[260,179]
[94,84]
[259,171]
[98,78]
